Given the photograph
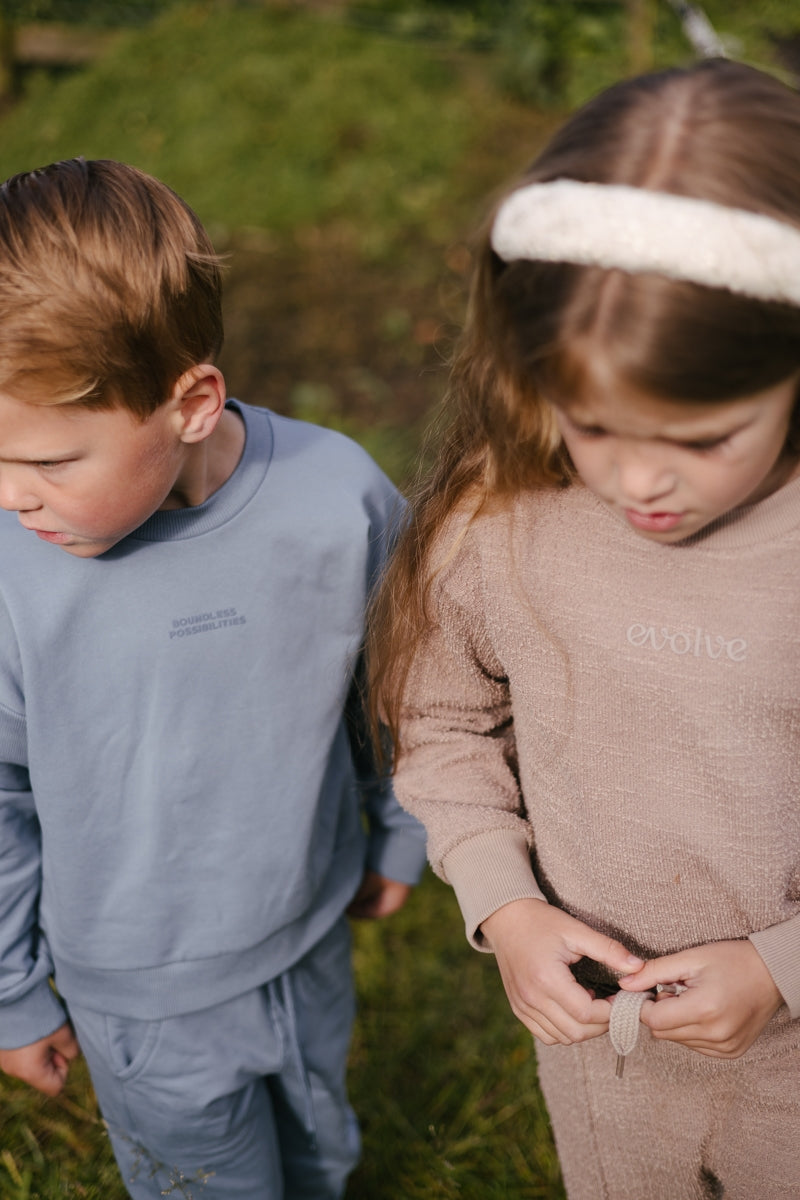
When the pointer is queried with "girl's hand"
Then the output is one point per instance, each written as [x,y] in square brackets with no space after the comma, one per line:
[729,998]
[43,1064]
[535,944]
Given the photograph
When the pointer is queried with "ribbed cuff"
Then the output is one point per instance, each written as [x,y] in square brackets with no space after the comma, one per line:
[35,1015]
[398,854]
[779,946]
[487,871]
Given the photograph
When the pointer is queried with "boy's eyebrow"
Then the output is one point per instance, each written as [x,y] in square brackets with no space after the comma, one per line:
[37,458]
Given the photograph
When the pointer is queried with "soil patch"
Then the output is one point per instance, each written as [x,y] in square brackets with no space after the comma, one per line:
[373,339]
[370,341]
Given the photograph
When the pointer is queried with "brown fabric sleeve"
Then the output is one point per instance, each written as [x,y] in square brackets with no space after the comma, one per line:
[486,872]
[779,946]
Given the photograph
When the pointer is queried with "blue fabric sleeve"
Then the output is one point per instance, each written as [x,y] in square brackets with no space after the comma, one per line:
[29,1008]
[396,840]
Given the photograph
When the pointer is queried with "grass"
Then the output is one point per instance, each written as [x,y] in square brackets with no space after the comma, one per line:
[314,140]
[307,136]
[263,134]
[266,118]
[55,1148]
[442,1076]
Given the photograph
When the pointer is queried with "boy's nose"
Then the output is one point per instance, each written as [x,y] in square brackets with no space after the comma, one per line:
[15,496]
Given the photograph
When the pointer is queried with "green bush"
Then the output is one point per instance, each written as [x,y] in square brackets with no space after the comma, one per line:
[262,118]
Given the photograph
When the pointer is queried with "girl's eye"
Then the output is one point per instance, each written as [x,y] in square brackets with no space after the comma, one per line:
[47,465]
[706,443]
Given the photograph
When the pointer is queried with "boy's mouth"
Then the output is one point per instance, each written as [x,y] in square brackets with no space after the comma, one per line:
[49,535]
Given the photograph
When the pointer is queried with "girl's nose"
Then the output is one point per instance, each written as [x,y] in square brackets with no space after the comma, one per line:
[644,477]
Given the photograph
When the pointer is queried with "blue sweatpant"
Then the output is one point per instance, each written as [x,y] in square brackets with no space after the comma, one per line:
[243,1101]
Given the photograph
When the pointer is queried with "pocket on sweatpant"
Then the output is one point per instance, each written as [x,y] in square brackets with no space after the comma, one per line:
[130,1045]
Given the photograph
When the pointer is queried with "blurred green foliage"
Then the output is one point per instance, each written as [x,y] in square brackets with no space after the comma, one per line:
[103,13]
[296,122]
[394,447]
[557,53]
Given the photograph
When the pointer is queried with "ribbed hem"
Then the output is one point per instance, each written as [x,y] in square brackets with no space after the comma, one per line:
[13,737]
[487,871]
[35,1015]
[779,946]
[168,990]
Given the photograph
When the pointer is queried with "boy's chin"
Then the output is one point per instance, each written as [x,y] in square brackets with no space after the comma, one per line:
[86,549]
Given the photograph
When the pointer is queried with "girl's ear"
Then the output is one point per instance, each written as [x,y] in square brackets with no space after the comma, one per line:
[198,402]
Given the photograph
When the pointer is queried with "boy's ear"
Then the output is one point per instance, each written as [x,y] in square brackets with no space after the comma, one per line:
[198,401]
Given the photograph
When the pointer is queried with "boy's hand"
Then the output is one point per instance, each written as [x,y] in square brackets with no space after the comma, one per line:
[43,1064]
[378,896]
[534,945]
[729,998]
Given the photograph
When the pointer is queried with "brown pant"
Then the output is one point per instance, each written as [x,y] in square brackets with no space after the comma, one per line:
[678,1125]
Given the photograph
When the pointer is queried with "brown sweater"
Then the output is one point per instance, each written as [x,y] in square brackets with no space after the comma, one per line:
[614,724]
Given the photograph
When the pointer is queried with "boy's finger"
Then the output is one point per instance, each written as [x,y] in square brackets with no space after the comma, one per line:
[65,1043]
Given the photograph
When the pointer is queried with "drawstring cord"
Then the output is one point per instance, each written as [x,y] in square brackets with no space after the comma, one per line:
[282,997]
[623,1028]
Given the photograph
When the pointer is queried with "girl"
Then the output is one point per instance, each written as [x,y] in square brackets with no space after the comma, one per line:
[588,644]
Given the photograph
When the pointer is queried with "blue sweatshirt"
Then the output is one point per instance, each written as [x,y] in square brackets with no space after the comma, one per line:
[182,813]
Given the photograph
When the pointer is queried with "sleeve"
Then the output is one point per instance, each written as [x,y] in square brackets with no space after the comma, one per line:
[779,946]
[29,1008]
[457,770]
[396,840]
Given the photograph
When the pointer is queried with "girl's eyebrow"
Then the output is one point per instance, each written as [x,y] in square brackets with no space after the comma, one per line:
[709,435]
[701,435]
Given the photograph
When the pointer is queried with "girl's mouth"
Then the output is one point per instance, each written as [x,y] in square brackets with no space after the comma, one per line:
[658,522]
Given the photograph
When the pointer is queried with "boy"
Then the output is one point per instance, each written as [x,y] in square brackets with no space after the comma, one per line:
[182,591]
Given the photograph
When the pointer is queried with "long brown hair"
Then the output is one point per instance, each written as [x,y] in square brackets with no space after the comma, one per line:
[718,131]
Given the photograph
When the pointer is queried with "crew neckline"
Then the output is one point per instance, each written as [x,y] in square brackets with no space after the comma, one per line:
[766,521]
[176,523]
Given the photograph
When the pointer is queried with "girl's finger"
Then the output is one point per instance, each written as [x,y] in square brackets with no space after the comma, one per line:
[669,969]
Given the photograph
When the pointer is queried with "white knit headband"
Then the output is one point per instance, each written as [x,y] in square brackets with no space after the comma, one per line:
[637,230]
